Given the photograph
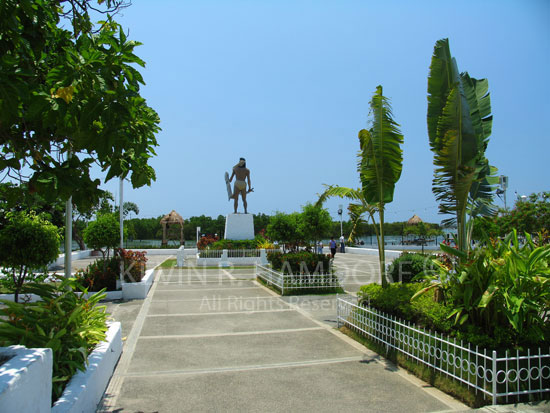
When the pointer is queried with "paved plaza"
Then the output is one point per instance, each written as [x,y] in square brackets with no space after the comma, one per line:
[216,340]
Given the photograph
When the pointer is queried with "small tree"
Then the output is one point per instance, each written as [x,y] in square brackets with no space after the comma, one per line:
[314,223]
[285,228]
[28,243]
[103,234]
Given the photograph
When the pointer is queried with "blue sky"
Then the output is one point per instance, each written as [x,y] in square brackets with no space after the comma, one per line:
[286,84]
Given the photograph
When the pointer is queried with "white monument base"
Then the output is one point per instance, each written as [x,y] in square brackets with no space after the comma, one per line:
[239,226]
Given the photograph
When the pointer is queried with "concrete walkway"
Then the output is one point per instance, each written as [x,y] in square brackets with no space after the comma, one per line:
[215,340]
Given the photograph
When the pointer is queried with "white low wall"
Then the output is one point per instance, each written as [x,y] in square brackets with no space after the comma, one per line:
[230,261]
[165,251]
[132,291]
[390,254]
[85,390]
[75,255]
[26,380]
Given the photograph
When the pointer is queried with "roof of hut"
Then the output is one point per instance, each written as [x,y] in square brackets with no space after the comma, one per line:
[415,219]
[172,218]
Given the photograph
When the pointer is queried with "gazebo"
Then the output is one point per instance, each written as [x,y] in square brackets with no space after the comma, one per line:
[172,218]
[415,219]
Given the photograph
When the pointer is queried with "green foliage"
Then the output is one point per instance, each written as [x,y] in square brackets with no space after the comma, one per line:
[285,229]
[71,92]
[69,324]
[228,244]
[459,125]
[28,242]
[100,274]
[501,289]
[407,266]
[395,299]
[531,215]
[380,164]
[302,262]
[104,273]
[314,222]
[103,233]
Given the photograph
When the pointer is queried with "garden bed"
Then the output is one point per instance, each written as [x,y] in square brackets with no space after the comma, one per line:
[501,377]
[85,389]
[296,284]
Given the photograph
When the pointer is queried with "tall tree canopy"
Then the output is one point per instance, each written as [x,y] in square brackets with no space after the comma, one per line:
[70,99]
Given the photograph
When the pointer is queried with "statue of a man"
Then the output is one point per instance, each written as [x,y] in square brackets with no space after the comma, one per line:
[241,173]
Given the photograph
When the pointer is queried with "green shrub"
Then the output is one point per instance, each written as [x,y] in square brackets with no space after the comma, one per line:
[395,300]
[409,265]
[134,264]
[105,273]
[501,290]
[28,242]
[103,233]
[69,324]
[100,274]
[302,262]
[229,244]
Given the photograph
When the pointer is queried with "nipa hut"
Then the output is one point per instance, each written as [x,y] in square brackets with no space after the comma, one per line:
[173,218]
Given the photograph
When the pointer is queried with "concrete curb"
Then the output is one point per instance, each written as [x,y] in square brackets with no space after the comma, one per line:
[85,390]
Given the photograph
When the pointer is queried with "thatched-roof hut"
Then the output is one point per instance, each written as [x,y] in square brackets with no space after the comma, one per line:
[415,219]
[173,218]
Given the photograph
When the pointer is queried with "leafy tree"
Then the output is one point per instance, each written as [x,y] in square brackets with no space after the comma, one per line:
[531,215]
[70,99]
[103,234]
[28,242]
[314,222]
[459,125]
[285,229]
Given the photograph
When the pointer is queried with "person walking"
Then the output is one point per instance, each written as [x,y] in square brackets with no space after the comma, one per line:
[320,247]
[332,245]
[342,244]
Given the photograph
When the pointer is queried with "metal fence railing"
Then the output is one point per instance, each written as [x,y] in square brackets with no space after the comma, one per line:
[210,253]
[288,282]
[240,253]
[500,376]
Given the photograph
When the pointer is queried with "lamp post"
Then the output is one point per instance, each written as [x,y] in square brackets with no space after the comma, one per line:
[340,210]
[198,232]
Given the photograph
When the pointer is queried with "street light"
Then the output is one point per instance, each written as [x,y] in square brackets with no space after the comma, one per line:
[198,232]
[340,210]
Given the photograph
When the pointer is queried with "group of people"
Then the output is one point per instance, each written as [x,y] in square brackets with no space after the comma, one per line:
[333,246]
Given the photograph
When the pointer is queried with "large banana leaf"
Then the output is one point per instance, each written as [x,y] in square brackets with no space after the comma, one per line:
[381,157]
[459,124]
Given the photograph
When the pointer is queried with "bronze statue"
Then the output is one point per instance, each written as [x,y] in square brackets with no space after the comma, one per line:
[241,174]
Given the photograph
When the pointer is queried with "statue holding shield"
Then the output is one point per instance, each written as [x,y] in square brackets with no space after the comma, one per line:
[241,174]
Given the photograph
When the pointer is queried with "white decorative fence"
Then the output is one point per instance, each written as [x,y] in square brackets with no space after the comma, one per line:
[289,282]
[226,258]
[500,377]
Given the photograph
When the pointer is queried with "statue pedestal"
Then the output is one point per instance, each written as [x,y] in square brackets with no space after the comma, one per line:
[239,226]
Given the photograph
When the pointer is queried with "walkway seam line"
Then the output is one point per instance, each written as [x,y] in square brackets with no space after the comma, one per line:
[239,333]
[246,368]
[222,313]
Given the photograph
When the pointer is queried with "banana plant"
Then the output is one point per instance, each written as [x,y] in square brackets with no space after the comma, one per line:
[380,162]
[357,209]
[459,125]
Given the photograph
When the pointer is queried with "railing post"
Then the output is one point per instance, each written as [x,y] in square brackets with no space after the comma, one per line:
[495,377]
[263,257]
[180,257]
[337,311]
[224,260]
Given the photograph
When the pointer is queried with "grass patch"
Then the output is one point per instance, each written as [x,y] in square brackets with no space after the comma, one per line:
[438,380]
[300,291]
